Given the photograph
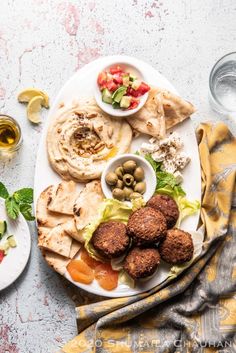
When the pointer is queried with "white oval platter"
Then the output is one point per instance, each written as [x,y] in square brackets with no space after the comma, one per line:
[81,85]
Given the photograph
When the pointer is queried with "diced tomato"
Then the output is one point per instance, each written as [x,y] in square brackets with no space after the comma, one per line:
[132,92]
[2,254]
[134,103]
[101,80]
[80,271]
[143,88]
[106,276]
[118,78]
[111,86]
[88,259]
[115,69]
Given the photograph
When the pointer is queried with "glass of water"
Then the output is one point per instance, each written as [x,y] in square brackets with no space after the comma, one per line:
[222,83]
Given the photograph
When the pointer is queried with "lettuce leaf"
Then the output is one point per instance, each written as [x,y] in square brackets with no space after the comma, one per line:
[186,208]
[155,165]
[111,210]
[124,278]
[138,203]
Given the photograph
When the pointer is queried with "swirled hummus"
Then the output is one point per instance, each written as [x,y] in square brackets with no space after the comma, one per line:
[81,138]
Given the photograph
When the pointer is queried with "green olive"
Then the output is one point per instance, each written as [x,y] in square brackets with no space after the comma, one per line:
[129,166]
[140,187]
[111,178]
[119,184]
[127,192]
[128,179]
[119,172]
[139,174]
[118,194]
[135,195]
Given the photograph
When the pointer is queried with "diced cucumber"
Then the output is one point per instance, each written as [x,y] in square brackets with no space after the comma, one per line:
[11,241]
[136,84]
[125,79]
[106,96]
[132,78]
[3,228]
[115,105]
[125,102]
[118,94]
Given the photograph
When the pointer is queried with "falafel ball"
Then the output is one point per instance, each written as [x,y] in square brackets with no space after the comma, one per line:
[141,263]
[167,206]
[146,226]
[110,239]
[177,247]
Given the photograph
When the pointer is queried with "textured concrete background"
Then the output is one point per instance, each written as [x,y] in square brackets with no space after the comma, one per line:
[42,43]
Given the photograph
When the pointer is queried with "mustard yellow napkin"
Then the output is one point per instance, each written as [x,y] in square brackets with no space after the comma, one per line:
[197,309]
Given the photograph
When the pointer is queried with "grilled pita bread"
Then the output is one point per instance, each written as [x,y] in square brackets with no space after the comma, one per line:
[70,228]
[57,262]
[87,204]
[75,247]
[176,109]
[162,111]
[55,239]
[150,119]
[46,218]
[63,199]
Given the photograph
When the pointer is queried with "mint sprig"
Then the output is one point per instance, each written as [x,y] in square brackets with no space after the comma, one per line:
[3,191]
[19,202]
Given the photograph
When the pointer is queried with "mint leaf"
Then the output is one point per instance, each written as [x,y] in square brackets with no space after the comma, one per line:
[12,207]
[26,211]
[3,191]
[24,195]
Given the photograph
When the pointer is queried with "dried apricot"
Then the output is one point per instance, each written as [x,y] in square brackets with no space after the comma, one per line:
[88,259]
[106,276]
[80,271]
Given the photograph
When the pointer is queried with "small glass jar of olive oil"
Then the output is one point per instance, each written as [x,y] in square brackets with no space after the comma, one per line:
[10,135]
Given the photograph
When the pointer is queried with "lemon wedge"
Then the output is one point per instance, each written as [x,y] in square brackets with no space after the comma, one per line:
[28,94]
[33,109]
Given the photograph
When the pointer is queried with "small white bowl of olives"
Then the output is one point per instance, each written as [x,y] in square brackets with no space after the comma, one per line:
[127,177]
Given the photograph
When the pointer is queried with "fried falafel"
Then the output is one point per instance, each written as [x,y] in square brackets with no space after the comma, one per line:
[110,239]
[146,226]
[177,247]
[167,206]
[141,263]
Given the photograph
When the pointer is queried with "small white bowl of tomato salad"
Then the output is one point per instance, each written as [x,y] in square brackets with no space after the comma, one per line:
[121,89]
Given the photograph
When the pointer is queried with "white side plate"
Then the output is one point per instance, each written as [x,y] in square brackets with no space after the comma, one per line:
[14,263]
[81,85]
